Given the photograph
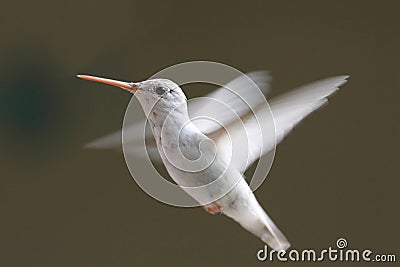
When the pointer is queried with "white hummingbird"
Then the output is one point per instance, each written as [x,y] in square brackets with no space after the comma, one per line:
[166,109]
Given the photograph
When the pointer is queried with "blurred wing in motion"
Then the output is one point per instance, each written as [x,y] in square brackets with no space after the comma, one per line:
[134,142]
[239,97]
[287,111]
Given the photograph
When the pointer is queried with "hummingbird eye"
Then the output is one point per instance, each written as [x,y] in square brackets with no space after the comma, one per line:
[159,90]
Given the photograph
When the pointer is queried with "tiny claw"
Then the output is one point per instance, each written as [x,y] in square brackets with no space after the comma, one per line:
[212,208]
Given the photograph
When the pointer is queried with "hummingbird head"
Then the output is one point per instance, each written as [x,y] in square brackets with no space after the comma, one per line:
[155,95]
[160,93]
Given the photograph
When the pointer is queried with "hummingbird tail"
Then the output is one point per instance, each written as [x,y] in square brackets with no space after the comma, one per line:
[254,219]
[272,236]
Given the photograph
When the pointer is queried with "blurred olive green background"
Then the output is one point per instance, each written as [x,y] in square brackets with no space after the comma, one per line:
[335,176]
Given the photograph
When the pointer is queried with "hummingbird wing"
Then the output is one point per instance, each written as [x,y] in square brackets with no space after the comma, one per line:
[133,142]
[287,111]
[241,97]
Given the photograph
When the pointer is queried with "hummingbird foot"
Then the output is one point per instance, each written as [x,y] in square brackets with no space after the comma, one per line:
[212,208]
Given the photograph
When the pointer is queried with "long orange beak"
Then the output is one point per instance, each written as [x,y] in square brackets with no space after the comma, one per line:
[131,87]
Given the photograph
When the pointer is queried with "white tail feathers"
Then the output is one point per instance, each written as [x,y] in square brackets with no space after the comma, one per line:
[252,217]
